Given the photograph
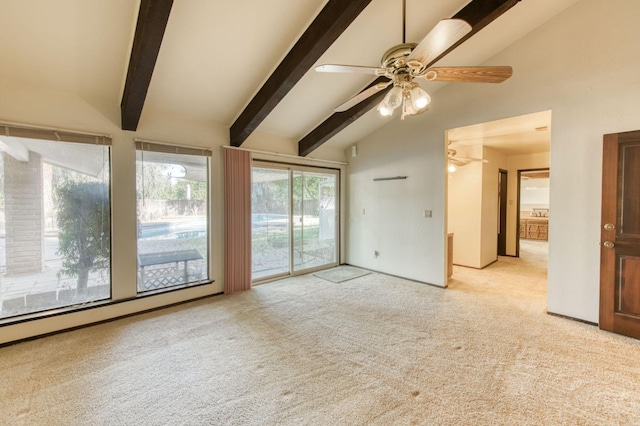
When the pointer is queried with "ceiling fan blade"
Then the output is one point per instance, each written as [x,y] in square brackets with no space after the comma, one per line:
[445,34]
[468,159]
[457,162]
[362,96]
[351,69]
[469,74]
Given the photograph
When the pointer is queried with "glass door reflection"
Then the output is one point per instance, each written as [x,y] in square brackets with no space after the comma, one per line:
[293,220]
[314,219]
[270,222]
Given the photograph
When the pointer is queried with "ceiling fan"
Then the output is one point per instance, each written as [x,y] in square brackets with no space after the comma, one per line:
[403,63]
[456,161]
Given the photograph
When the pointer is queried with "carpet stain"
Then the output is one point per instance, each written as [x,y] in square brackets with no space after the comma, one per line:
[457,348]
[415,394]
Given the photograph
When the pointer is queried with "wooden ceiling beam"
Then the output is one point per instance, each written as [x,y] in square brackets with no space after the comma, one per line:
[152,22]
[478,13]
[330,23]
[339,120]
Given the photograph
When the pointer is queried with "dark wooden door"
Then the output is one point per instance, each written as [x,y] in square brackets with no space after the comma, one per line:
[620,235]
[502,212]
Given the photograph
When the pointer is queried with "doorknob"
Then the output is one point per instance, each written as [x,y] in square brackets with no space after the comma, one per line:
[609,244]
[609,226]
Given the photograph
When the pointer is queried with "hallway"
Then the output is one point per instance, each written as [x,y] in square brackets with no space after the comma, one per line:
[523,279]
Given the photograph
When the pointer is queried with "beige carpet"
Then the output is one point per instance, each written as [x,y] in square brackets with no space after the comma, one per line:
[372,350]
[341,273]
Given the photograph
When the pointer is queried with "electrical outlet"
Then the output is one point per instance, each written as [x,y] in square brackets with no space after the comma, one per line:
[376,253]
[363,211]
[428,213]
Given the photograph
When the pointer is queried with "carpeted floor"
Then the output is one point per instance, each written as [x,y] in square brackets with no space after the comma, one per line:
[371,350]
[341,273]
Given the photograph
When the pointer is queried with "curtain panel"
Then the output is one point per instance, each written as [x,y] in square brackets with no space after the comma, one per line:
[237,220]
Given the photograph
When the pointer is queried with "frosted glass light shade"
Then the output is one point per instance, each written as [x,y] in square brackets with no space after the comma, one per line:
[393,98]
[419,98]
[384,110]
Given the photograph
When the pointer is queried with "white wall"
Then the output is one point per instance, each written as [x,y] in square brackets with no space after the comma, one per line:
[584,65]
[464,211]
[393,222]
[473,207]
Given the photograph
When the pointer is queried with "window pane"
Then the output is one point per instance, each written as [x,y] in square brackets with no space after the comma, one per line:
[54,224]
[269,222]
[172,192]
[314,219]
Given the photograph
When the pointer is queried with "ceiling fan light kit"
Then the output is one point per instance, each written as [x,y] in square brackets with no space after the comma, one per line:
[404,62]
[407,94]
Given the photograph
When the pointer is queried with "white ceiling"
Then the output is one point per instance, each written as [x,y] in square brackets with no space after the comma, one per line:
[216,55]
[525,134]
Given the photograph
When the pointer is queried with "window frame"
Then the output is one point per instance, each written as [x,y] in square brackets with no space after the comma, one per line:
[47,134]
[142,145]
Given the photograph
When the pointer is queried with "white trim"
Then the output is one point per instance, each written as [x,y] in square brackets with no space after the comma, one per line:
[278,154]
[53,129]
[200,148]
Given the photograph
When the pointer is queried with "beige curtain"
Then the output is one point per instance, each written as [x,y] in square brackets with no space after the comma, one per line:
[237,220]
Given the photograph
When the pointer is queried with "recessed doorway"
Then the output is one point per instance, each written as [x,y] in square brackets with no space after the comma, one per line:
[533,212]
[483,192]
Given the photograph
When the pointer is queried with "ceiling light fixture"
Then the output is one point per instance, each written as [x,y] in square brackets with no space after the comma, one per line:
[413,99]
[404,62]
[419,98]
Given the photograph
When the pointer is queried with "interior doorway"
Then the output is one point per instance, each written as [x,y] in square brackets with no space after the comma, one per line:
[533,210]
[484,203]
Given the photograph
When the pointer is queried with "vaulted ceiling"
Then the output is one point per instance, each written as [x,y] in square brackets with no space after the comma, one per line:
[246,64]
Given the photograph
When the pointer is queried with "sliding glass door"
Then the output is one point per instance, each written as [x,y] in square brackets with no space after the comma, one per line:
[294,220]
[270,224]
[314,219]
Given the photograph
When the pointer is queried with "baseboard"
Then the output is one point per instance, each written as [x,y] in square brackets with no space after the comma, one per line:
[115,318]
[475,267]
[395,276]
[572,318]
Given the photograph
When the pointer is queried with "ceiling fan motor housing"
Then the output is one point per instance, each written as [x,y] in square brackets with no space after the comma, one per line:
[397,55]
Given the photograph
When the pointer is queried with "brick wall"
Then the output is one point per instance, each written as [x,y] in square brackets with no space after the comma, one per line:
[24,214]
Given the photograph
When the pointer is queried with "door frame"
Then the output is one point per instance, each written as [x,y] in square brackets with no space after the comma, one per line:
[520,171]
[291,167]
[503,188]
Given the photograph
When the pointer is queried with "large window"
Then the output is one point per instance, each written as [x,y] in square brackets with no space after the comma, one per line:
[55,237]
[172,206]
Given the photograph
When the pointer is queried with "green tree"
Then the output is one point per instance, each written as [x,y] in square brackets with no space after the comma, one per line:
[198,190]
[84,226]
